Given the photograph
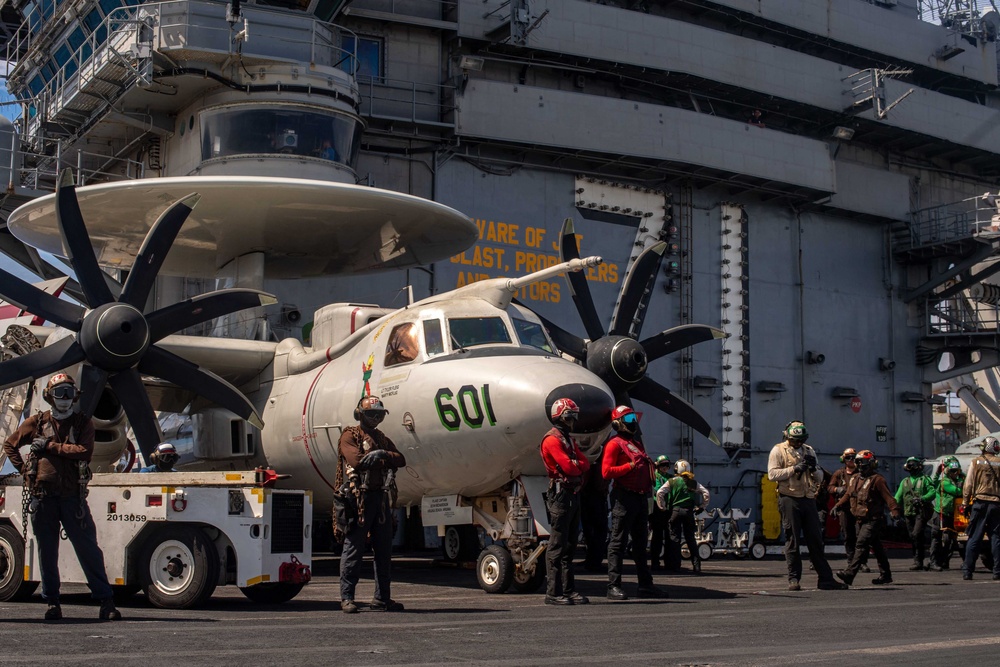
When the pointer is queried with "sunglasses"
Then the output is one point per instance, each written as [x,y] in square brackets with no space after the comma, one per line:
[64,391]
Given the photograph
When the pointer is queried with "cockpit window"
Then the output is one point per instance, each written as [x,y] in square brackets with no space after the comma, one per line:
[531,334]
[432,337]
[471,331]
[402,346]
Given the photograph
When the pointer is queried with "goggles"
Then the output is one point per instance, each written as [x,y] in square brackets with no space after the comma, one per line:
[63,391]
[849,457]
[631,419]
[374,415]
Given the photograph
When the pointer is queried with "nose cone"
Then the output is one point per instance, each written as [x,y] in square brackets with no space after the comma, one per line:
[594,401]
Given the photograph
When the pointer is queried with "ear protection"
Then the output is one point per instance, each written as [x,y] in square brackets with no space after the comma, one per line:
[357,411]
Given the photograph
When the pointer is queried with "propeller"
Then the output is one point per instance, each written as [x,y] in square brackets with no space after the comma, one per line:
[617,358]
[113,339]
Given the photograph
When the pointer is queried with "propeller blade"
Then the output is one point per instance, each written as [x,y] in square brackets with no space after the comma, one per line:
[141,417]
[636,282]
[77,242]
[206,384]
[155,246]
[655,394]
[37,302]
[569,343]
[578,288]
[203,308]
[92,382]
[678,338]
[55,357]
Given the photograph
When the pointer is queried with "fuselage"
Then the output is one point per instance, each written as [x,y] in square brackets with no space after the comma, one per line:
[468,387]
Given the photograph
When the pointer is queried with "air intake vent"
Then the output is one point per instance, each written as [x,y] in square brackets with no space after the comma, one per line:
[287,522]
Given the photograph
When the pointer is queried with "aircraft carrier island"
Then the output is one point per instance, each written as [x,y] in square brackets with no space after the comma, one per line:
[815,180]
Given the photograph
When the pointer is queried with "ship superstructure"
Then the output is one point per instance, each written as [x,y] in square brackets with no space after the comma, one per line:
[817,168]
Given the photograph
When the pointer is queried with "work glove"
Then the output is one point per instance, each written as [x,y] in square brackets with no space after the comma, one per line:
[899,521]
[840,491]
[800,467]
[834,511]
[810,462]
[966,510]
[38,445]
[374,458]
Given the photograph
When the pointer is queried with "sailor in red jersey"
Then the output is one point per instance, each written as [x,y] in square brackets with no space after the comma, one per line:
[566,465]
[628,465]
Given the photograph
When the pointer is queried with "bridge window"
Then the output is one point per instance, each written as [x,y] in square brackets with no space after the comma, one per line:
[472,331]
[433,341]
[402,345]
[287,130]
[531,334]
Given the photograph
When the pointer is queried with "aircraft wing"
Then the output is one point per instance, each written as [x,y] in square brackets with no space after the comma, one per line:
[239,362]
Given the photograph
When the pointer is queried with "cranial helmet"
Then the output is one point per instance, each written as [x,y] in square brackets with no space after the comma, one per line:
[913,464]
[662,460]
[624,419]
[166,453]
[562,406]
[371,410]
[848,455]
[866,461]
[796,430]
[60,385]
[953,467]
[682,467]
[991,445]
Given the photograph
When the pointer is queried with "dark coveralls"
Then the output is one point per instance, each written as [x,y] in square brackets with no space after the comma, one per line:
[838,488]
[625,461]
[565,464]
[868,498]
[377,512]
[58,501]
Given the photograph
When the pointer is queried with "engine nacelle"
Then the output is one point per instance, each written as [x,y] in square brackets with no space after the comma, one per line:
[110,440]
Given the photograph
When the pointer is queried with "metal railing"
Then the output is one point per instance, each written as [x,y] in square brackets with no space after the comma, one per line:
[407,101]
[961,316]
[975,216]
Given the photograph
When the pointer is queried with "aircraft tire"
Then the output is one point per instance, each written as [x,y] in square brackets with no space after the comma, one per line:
[460,543]
[178,567]
[495,569]
[522,583]
[274,592]
[12,584]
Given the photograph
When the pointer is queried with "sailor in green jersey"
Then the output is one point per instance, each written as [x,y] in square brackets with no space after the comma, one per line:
[915,495]
[658,519]
[943,521]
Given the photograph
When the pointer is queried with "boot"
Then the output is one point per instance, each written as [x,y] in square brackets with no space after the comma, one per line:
[108,611]
[882,579]
[845,576]
[918,564]
[53,613]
